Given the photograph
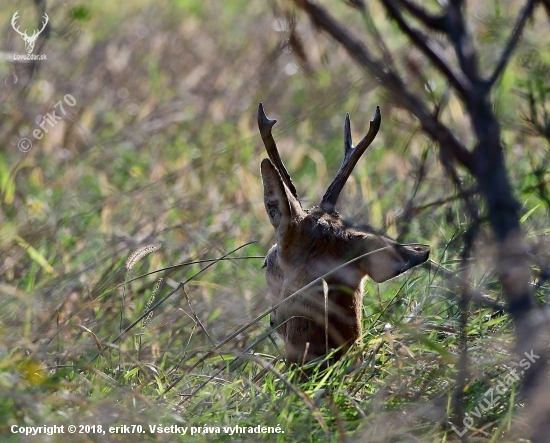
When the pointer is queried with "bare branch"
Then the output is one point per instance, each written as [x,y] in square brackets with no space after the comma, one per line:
[351,157]
[430,49]
[265,124]
[391,80]
[526,12]
[462,42]
[436,23]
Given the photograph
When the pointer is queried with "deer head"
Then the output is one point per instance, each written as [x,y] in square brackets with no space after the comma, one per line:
[315,243]
[29,40]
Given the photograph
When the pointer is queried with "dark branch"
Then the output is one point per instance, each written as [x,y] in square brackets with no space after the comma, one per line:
[526,12]
[265,125]
[351,157]
[433,22]
[462,41]
[430,49]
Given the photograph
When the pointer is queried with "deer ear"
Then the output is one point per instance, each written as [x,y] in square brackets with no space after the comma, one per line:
[281,206]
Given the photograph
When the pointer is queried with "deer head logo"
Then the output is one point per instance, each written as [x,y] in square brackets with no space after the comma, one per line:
[29,40]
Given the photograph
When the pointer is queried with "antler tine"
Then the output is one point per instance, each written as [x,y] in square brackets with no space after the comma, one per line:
[351,157]
[13,23]
[265,124]
[45,22]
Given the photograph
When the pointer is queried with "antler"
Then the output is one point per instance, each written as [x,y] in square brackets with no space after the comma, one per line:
[44,23]
[13,20]
[351,156]
[265,124]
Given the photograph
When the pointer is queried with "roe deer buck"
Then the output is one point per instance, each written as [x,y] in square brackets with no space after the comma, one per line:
[314,242]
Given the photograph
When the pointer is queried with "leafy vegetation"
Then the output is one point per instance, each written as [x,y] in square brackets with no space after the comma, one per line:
[133,232]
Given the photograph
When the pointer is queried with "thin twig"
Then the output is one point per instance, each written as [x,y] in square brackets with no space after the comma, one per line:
[462,363]
[526,12]
[196,318]
[436,23]
[431,50]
